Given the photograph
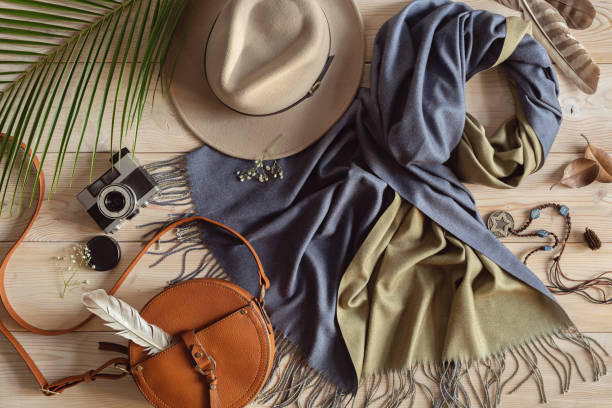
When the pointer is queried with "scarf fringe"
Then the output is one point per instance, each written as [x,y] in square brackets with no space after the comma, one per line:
[293,382]
[454,384]
[173,181]
[188,240]
[175,190]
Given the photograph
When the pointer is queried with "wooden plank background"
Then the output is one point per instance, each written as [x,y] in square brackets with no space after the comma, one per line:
[34,280]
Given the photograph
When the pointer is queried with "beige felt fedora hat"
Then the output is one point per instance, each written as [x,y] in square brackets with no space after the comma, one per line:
[266,76]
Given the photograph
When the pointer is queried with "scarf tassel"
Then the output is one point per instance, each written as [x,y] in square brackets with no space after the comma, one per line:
[188,240]
[454,384]
[294,382]
[175,190]
[173,180]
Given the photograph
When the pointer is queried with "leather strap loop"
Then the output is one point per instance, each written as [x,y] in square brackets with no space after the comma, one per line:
[89,376]
[68,382]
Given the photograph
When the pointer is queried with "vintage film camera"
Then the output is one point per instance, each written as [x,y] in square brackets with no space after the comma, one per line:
[119,194]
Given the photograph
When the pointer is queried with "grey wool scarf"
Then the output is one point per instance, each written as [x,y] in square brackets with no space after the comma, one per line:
[397,136]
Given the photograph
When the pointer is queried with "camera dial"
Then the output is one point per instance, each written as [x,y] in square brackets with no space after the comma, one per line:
[116,201]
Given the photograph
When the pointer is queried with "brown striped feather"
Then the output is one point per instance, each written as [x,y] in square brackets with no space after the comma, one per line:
[578,14]
[570,56]
[513,4]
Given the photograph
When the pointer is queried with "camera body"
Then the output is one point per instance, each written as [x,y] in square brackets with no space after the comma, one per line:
[119,193]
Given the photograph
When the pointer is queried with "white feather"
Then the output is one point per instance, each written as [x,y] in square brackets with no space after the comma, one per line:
[126,320]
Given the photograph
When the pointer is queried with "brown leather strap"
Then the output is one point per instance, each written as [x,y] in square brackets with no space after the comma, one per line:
[89,376]
[114,347]
[58,387]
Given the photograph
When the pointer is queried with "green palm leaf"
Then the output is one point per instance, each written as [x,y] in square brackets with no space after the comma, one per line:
[63,62]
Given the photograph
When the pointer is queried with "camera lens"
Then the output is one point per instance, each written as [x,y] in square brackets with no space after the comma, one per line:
[114,201]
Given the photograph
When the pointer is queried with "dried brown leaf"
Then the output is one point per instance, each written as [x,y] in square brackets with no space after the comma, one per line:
[602,158]
[579,173]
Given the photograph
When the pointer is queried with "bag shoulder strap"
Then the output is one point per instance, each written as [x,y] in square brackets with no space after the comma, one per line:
[59,386]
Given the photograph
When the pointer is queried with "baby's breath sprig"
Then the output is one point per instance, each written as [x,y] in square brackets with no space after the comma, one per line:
[263,171]
[71,265]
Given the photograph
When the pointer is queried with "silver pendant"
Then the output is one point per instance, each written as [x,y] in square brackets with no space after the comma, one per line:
[500,223]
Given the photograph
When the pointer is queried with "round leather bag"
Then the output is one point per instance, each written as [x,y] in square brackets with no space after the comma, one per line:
[226,347]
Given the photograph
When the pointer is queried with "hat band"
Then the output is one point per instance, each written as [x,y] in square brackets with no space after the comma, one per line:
[315,86]
[309,94]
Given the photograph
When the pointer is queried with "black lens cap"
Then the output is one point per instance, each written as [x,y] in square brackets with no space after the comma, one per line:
[104,253]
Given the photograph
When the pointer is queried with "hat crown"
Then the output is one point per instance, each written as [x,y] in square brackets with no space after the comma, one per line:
[263,56]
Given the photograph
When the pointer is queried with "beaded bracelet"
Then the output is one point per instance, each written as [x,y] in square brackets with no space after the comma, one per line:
[501,224]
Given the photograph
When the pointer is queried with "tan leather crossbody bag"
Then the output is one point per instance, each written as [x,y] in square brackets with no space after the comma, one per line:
[213,320]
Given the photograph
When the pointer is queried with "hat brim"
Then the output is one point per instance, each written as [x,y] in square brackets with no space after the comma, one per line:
[248,137]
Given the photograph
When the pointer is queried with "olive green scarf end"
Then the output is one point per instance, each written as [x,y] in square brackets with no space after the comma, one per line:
[484,382]
[550,362]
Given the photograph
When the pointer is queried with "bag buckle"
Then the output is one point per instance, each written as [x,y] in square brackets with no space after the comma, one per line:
[200,354]
[209,375]
[209,372]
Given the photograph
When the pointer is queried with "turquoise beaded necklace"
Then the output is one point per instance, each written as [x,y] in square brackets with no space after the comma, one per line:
[534,215]
[501,224]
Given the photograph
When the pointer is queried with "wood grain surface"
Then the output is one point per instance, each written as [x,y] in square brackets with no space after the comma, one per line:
[34,279]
